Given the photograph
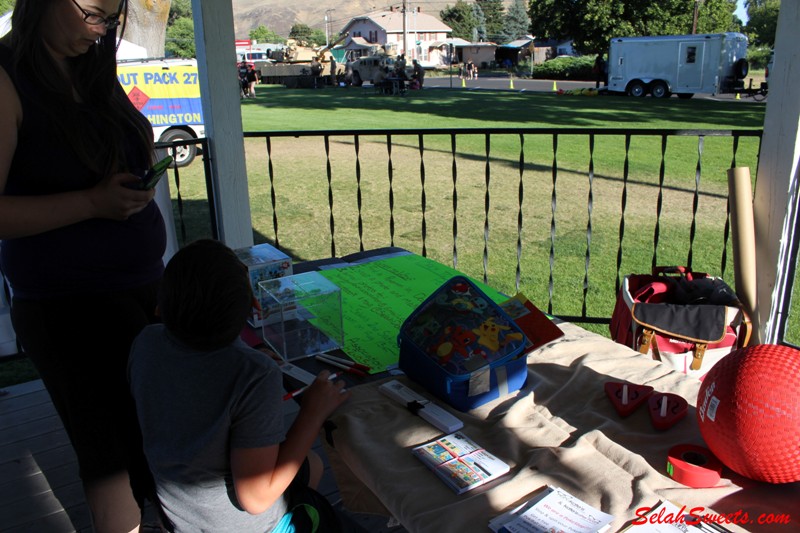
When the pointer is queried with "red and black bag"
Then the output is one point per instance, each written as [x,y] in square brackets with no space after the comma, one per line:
[686,319]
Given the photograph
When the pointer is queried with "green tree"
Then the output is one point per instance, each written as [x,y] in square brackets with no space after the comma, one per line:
[180,38]
[494,12]
[317,37]
[479,32]
[179,9]
[517,23]
[6,6]
[763,21]
[460,19]
[592,23]
[264,35]
[301,32]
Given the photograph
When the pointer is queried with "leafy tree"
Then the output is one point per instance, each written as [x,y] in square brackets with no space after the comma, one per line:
[494,12]
[6,6]
[516,24]
[317,37]
[460,19]
[179,9]
[479,31]
[264,35]
[301,32]
[763,21]
[592,23]
[180,38]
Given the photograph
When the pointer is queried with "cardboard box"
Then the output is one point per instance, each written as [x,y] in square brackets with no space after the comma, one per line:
[264,262]
[302,315]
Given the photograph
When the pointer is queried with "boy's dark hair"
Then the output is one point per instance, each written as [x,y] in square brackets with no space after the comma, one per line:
[205,296]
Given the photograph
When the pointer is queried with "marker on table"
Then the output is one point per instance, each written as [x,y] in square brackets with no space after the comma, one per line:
[298,392]
[347,362]
[346,368]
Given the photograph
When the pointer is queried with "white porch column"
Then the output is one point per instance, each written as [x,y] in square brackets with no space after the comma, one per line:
[216,63]
[776,187]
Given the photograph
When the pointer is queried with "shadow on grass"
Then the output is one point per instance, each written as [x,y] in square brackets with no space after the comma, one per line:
[279,108]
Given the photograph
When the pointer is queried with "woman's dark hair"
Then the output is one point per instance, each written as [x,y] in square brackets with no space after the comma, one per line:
[94,77]
[205,296]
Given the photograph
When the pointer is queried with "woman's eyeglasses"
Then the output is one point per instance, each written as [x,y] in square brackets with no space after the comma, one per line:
[95,20]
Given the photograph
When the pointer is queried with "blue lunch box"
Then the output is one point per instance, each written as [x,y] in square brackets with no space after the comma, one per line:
[462,347]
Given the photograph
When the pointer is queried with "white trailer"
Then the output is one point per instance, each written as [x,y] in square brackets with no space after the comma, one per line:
[713,63]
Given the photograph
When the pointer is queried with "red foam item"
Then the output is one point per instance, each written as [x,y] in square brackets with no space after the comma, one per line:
[676,409]
[693,466]
[637,395]
[749,413]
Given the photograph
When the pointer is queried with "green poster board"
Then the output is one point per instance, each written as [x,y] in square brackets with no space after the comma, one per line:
[378,296]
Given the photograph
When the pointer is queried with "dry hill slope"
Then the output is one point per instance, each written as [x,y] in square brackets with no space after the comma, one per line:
[280,15]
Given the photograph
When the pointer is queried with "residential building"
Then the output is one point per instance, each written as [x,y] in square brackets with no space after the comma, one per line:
[411,33]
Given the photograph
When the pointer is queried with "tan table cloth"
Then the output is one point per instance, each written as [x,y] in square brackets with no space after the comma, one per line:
[559,430]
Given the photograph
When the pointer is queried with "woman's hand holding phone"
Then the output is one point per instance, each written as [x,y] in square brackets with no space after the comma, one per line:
[152,176]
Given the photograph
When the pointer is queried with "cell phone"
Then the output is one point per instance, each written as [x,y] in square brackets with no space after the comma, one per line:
[155,173]
[152,176]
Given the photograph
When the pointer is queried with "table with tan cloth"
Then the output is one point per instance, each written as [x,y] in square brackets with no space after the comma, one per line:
[559,430]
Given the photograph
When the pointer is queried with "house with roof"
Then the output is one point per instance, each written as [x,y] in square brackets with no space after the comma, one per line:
[410,32]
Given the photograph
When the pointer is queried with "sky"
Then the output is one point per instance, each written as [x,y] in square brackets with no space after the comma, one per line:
[740,10]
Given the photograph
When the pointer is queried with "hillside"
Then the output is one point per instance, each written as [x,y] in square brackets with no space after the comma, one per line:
[280,15]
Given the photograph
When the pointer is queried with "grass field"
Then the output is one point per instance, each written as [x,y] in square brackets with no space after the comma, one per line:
[301,187]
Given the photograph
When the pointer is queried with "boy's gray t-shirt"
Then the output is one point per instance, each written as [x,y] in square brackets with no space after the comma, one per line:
[193,407]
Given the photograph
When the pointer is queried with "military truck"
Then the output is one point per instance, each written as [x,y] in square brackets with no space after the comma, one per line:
[365,68]
[294,65]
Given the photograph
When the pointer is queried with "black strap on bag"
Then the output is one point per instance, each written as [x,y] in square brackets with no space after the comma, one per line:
[694,310]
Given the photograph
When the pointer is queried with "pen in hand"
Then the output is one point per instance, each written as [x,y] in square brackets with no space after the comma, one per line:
[298,392]
[350,369]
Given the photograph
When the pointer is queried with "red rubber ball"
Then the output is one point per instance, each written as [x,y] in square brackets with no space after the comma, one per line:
[748,409]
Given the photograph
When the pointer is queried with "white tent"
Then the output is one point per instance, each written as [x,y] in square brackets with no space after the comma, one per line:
[5,23]
[128,50]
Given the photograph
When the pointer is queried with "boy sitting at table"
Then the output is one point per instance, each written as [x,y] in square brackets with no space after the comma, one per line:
[210,407]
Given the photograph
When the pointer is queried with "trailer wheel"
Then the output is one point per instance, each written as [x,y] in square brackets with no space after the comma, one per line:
[184,155]
[659,89]
[741,68]
[357,81]
[637,88]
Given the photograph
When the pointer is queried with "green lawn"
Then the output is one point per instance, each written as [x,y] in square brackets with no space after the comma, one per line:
[277,109]
[300,167]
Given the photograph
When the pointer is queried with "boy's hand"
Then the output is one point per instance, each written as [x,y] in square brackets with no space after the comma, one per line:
[324,396]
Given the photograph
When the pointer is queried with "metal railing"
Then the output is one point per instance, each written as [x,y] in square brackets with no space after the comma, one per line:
[584,202]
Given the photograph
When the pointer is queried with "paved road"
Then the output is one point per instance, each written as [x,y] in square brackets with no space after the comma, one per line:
[520,84]
[498,83]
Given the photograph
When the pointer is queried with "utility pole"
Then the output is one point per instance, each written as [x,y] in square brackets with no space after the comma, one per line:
[405,26]
[327,26]
[694,17]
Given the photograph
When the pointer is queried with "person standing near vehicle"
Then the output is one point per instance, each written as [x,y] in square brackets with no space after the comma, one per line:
[600,70]
[81,250]
[419,72]
[252,79]
[316,72]
[334,79]
[244,86]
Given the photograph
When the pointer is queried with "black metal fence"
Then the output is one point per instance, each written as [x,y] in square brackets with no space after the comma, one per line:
[559,214]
